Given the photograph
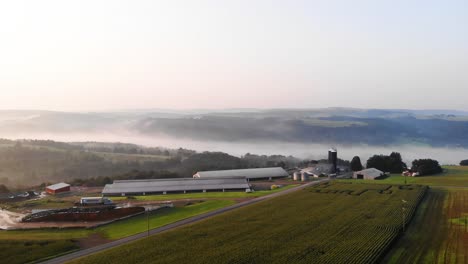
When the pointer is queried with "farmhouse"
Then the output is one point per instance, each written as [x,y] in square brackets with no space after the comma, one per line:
[249,174]
[58,188]
[368,174]
[183,185]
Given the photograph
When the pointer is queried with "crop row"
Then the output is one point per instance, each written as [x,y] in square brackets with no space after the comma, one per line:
[302,227]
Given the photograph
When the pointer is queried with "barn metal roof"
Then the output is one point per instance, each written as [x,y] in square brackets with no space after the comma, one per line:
[318,169]
[58,186]
[256,173]
[371,172]
[174,185]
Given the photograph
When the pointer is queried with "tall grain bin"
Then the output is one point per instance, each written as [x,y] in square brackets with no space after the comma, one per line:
[304,176]
[297,176]
[333,158]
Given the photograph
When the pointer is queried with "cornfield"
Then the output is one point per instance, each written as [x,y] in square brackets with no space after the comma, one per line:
[328,223]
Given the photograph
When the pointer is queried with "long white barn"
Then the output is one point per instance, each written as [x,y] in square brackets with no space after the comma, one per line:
[257,173]
[182,185]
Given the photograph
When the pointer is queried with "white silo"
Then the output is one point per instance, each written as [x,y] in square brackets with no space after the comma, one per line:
[304,176]
[297,176]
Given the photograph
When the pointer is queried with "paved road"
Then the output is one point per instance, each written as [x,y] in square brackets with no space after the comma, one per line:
[89,251]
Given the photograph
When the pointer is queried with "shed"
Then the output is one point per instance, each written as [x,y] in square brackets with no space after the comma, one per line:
[95,200]
[58,188]
[368,174]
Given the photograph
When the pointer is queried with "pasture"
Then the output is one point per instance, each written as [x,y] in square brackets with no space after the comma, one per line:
[329,223]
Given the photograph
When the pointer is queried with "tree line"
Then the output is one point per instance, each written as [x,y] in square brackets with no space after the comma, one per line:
[393,163]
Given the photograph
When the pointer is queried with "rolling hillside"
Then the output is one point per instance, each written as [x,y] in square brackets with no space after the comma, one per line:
[330,126]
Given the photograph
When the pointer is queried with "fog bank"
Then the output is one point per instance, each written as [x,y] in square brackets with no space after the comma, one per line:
[305,151]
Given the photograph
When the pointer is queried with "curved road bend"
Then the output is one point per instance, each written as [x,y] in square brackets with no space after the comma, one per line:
[89,251]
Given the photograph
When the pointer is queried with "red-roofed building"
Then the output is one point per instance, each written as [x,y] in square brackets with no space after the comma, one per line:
[58,188]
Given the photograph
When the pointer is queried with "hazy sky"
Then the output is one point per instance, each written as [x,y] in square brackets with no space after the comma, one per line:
[101,55]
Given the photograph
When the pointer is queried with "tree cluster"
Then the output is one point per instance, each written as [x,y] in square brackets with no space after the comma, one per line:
[464,163]
[426,167]
[392,163]
[356,164]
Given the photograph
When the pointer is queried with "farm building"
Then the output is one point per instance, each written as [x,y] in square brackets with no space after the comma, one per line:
[249,174]
[368,174]
[58,188]
[410,173]
[319,169]
[95,200]
[183,185]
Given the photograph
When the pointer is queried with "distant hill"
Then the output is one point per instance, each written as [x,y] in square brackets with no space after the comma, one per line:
[330,126]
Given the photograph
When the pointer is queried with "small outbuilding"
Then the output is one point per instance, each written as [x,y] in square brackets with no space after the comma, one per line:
[368,174]
[95,201]
[58,188]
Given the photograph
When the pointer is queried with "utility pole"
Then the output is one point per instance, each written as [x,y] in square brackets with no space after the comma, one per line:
[147,222]
[403,216]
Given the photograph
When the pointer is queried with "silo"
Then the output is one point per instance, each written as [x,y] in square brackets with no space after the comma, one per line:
[304,176]
[297,176]
[333,158]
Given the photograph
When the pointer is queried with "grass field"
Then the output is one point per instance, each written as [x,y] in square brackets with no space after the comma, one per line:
[45,203]
[131,157]
[49,242]
[439,232]
[455,176]
[329,223]
[163,217]
[207,195]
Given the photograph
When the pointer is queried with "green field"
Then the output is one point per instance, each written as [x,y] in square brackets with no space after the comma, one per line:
[166,216]
[50,242]
[200,195]
[118,157]
[439,232]
[329,223]
[454,176]
[50,202]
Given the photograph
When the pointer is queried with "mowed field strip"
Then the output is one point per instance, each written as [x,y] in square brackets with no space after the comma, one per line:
[439,231]
[328,223]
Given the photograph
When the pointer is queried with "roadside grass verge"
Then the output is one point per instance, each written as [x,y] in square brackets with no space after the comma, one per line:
[207,195]
[159,218]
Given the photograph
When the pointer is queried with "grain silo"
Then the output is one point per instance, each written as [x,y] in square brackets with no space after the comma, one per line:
[304,176]
[297,176]
[333,159]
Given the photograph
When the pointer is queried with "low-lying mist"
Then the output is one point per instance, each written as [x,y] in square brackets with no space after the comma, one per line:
[305,151]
